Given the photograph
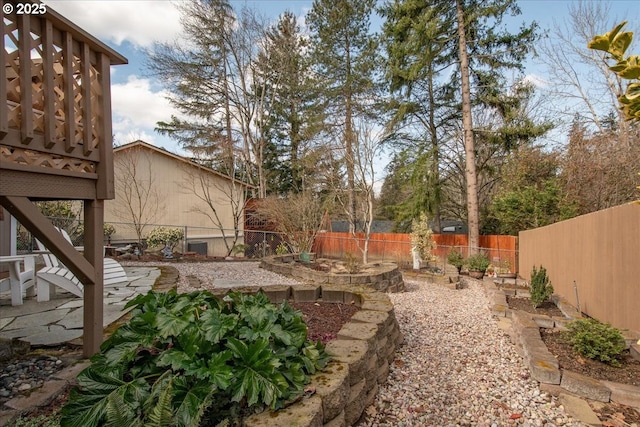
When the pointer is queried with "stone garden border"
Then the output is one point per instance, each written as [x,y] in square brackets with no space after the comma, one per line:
[361,355]
[386,277]
[543,365]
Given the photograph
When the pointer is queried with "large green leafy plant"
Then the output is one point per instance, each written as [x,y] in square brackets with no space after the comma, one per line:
[193,359]
[615,43]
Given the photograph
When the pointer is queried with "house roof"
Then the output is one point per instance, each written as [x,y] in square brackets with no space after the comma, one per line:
[165,152]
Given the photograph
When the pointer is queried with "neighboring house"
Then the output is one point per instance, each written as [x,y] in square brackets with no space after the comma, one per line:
[156,187]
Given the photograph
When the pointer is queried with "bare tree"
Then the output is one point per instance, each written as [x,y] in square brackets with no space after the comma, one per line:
[579,78]
[298,217]
[139,200]
[366,149]
[218,194]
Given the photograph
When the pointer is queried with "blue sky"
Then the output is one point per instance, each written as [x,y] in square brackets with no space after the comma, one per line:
[131,26]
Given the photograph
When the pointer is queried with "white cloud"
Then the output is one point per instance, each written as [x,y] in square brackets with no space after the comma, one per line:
[137,108]
[536,80]
[139,22]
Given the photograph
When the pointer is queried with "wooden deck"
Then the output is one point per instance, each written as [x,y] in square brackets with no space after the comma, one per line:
[56,137]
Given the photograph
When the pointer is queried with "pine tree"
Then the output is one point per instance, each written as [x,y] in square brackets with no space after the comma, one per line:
[344,55]
[466,35]
[294,118]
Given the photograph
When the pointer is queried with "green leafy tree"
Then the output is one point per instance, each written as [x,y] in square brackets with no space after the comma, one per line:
[344,54]
[530,193]
[616,43]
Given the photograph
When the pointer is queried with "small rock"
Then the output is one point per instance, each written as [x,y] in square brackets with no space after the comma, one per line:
[24,387]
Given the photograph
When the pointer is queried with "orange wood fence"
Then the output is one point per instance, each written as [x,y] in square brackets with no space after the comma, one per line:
[397,247]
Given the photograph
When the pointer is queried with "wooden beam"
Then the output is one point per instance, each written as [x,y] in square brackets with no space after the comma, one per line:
[105,187]
[38,141]
[48,71]
[94,294]
[26,92]
[69,102]
[39,225]
[4,113]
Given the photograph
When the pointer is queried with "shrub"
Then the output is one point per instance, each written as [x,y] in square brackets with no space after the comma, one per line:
[108,229]
[422,237]
[193,359]
[164,236]
[540,287]
[478,262]
[351,263]
[456,259]
[282,249]
[596,340]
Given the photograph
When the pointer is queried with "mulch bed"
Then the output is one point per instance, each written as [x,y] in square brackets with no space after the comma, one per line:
[324,320]
[568,358]
[547,308]
[612,414]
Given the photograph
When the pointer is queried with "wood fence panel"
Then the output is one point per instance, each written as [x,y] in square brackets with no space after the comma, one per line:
[600,253]
[397,246]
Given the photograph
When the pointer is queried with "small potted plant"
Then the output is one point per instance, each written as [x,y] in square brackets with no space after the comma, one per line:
[477,264]
[456,259]
[504,270]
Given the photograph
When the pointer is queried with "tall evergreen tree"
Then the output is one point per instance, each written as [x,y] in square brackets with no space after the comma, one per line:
[211,80]
[419,52]
[344,54]
[470,31]
[294,118]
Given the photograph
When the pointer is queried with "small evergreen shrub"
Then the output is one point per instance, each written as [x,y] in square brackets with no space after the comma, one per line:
[456,259]
[478,262]
[422,237]
[164,236]
[596,340]
[540,287]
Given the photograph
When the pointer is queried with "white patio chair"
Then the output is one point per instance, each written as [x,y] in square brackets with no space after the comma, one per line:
[55,274]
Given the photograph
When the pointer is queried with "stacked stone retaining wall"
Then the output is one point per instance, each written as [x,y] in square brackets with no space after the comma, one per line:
[543,365]
[383,276]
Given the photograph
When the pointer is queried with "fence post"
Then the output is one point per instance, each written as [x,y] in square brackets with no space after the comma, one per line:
[184,240]
[264,244]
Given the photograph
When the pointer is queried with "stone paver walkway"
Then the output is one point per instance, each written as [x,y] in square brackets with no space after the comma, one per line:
[59,320]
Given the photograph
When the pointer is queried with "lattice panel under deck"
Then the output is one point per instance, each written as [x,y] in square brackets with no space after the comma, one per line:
[34,158]
[67,58]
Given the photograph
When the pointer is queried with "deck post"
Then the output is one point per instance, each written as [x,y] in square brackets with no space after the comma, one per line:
[94,293]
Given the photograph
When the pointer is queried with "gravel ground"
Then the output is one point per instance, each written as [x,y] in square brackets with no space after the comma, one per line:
[20,376]
[238,272]
[456,368]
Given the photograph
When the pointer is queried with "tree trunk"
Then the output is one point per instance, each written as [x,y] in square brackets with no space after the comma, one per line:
[469,146]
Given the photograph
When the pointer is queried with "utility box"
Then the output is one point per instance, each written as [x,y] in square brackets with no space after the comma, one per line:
[197,247]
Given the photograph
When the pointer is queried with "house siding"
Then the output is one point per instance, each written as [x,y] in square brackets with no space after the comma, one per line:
[171,177]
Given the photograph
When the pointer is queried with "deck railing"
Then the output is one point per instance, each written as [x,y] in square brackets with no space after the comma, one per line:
[55,116]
